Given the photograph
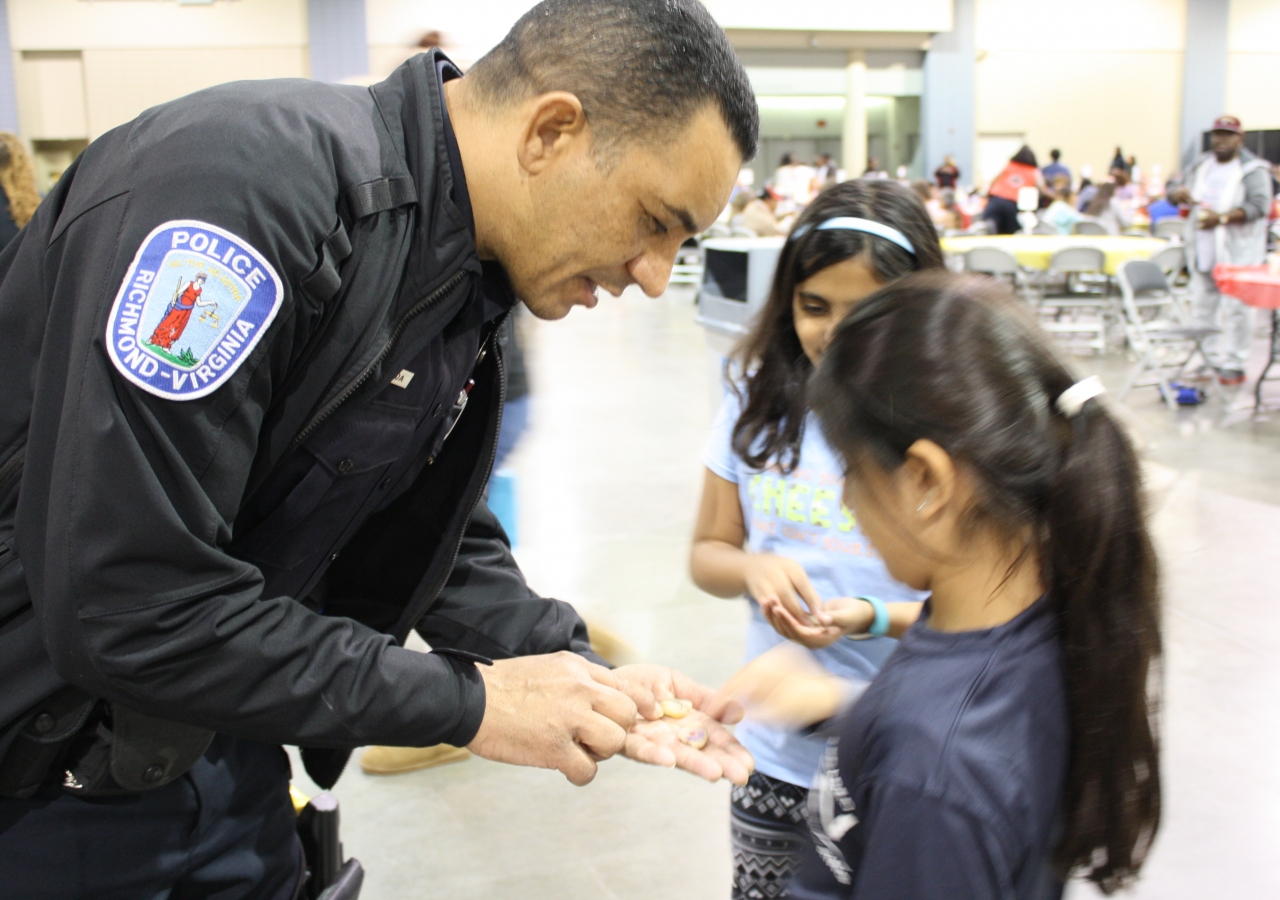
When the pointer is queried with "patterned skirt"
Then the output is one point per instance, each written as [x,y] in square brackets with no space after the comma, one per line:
[768,831]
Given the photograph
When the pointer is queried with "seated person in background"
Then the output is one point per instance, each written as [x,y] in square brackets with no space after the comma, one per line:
[1126,190]
[1160,209]
[954,218]
[761,215]
[1086,193]
[1108,211]
[1062,213]
[737,206]
[928,195]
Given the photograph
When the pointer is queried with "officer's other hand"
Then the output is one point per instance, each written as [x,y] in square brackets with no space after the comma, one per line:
[557,711]
[657,742]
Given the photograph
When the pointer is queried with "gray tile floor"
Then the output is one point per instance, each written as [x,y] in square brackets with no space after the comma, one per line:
[608,478]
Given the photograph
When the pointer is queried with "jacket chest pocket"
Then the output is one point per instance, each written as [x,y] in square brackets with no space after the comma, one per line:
[340,467]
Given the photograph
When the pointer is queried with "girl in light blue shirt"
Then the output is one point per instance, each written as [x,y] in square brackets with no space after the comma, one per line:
[772,525]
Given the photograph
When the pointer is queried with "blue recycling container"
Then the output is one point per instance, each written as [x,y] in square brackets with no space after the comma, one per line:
[502,500]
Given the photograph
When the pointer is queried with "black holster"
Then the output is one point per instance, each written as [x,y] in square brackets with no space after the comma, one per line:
[96,748]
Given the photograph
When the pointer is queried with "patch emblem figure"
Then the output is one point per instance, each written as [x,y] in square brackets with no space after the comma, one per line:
[194,303]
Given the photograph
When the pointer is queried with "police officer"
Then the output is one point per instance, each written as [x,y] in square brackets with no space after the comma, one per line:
[220,519]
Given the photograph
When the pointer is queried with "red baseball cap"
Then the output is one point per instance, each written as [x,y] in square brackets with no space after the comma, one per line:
[1228,123]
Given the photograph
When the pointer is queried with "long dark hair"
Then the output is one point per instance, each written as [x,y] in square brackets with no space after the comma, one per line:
[1101,199]
[775,368]
[1025,156]
[951,360]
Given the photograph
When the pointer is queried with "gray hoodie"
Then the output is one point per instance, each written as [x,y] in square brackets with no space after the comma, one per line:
[1243,244]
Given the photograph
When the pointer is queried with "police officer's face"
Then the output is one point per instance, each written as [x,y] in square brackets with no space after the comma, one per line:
[621,223]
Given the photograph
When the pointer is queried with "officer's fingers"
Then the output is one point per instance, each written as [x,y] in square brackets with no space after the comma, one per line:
[643,696]
[600,736]
[613,704]
[642,748]
[576,764]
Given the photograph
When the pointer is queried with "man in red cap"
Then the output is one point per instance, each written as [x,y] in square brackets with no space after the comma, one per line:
[1229,192]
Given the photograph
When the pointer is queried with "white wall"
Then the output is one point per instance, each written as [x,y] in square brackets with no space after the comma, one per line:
[469,29]
[1083,77]
[137,53]
[1253,63]
[82,24]
[834,15]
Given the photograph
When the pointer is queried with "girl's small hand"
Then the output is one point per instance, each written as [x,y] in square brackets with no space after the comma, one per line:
[776,579]
[853,615]
[814,637]
[786,686]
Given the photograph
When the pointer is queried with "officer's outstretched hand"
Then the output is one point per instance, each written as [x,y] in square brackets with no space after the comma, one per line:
[558,711]
[659,742]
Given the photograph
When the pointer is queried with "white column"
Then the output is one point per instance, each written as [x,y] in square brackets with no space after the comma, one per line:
[854,149]
[8,92]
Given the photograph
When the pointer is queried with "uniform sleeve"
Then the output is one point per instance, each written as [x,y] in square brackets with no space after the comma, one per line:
[128,503]
[906,845]
[717,452]
[487,608]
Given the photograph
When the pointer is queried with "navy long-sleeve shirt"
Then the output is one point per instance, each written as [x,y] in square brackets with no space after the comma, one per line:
[946,778]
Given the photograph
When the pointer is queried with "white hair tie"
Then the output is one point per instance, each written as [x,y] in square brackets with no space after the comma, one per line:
[1073,399]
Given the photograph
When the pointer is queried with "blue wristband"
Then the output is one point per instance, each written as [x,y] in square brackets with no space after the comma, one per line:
[879,627]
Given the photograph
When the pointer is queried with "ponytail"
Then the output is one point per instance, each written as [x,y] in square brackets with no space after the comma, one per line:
[956,361]
[1100,570]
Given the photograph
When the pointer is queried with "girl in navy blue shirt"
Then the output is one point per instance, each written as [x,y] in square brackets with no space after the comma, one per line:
[1008,742]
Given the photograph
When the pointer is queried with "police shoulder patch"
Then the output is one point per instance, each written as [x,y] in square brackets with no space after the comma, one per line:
[194,303]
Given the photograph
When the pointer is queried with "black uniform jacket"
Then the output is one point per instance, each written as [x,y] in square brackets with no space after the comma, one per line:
[181,557]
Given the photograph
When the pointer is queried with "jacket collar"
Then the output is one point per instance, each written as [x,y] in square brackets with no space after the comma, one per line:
[412,114]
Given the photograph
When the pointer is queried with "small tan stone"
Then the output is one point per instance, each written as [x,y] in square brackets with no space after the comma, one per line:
[676,709]
[694,735]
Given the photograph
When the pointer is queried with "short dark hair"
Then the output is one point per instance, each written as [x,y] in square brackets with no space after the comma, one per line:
[1056,154]
[641,68]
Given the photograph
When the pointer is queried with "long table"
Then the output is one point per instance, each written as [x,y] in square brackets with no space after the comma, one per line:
[1256,286]
[1033,251]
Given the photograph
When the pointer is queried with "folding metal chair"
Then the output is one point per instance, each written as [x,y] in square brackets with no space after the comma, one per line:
[998,264]
[717,230]
[1159,335]
[1087,227]
[1078,318]
[688,265]
[1045,228]
[1170,229]
[1172,261]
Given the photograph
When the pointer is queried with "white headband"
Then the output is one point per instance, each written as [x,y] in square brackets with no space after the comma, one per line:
[866,226]
[1070,401]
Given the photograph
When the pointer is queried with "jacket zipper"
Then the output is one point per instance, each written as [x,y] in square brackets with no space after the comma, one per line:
[474,501]
[373,364]
[11,475]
